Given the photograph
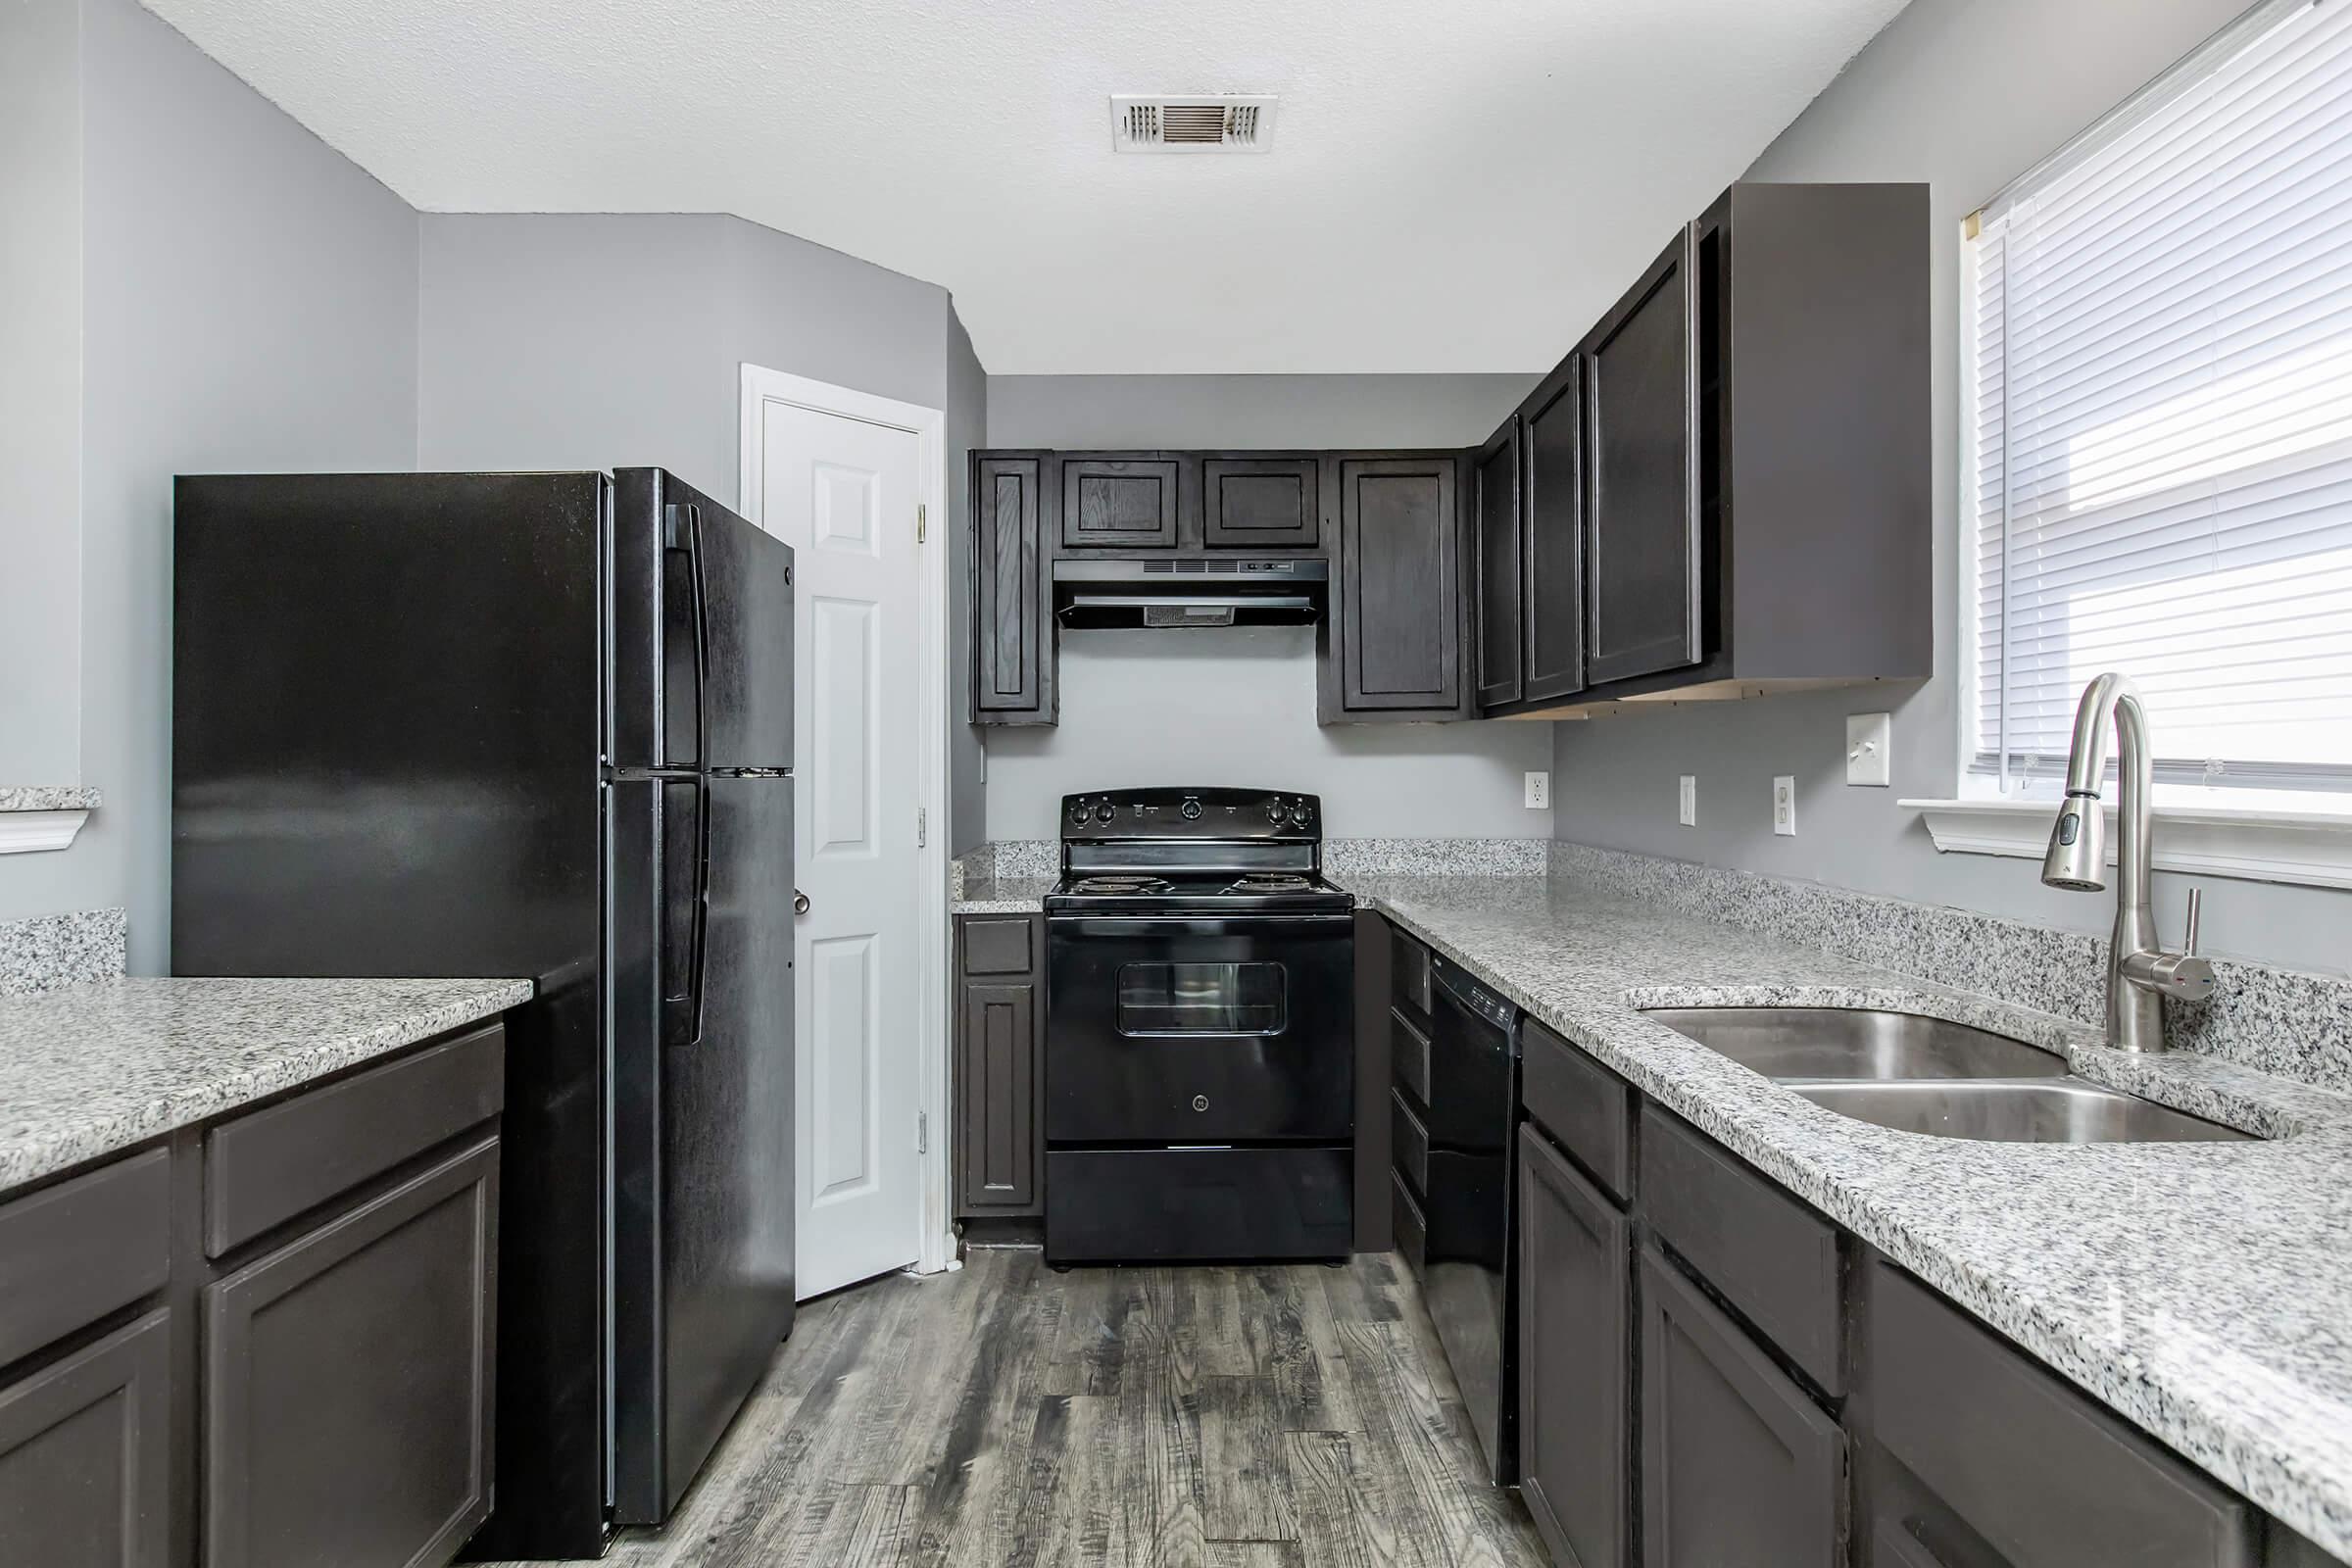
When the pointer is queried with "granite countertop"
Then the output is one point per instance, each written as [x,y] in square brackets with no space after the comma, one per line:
[2204,1291]
[89,1069]
[1002,895]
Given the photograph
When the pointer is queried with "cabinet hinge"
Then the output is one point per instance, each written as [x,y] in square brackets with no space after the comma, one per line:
[922,826]
[922,522]
[922,1132]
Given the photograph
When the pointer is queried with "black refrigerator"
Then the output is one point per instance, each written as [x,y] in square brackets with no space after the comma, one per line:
[530,724]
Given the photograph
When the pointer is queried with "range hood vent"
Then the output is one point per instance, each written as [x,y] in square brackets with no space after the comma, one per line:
[1173,592]
[1191,122]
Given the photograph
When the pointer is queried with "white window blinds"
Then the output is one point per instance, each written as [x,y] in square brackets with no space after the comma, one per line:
[2162,340]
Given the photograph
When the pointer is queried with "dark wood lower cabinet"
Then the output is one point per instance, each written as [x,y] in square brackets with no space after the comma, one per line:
[1738,1465]
[1575,1360]
[346,1382]
[998,1152]
[85,1455]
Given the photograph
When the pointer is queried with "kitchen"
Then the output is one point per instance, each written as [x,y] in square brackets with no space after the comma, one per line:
[1677,882]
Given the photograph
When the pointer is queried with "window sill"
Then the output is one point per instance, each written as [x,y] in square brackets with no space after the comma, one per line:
[2311,848]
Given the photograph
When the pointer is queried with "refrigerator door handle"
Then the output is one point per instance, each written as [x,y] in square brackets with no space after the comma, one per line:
[682,531]
[682,992]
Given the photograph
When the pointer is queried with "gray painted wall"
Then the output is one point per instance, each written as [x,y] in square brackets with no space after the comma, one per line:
[40,391]
[249,302]
[1913,106]
[1236,705]
[967,428]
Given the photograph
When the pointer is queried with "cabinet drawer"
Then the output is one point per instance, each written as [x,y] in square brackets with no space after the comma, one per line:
[1581,1103]
[1409,972]
[75,1252]
[1770,1256]
[1413,1230]
[997,946]
[1408,1055]
[2036,1470]
[1409,1140]
[263,1168]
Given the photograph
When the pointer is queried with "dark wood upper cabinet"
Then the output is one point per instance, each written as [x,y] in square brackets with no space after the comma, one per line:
[1641,515]
[1553,509]
[1398,602]
[1495,505]
[1012,630]
[1119,501]
[1260,503]
[1575,1358]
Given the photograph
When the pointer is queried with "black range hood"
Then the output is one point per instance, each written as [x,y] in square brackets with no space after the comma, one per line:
[1175,591]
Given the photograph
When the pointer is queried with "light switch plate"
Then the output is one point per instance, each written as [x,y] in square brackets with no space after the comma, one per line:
[1686,807]
[1784,804]
[1868,736]
[1539,791]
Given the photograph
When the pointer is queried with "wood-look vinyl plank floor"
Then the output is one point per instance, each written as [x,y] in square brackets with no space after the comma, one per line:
[1006,1416]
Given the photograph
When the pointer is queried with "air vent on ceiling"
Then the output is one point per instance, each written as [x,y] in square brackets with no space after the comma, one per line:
[1189,123]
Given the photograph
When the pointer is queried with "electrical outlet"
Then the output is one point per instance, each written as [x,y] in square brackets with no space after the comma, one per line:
[1867,739]
[1686,808]
[1539,791]
[1784,806]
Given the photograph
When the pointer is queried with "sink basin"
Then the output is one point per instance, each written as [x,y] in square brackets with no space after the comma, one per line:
[1852,1043]
[2065,1110]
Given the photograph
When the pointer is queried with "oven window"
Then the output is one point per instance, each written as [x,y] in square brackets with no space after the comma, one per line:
[1201,998]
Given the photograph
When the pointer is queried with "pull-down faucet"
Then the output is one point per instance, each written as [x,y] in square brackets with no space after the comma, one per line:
[2141,973]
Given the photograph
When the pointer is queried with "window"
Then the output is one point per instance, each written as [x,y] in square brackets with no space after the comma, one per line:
[2162,350]
[1201,998]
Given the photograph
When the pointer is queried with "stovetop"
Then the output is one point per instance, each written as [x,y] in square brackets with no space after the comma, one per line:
[1193,850]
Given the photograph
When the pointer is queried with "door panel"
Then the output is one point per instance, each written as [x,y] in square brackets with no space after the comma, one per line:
[1400,564]
[1259,503]
[84,1455]
[1641,367]
[1117,501]
[1497,480]
[1575,1358]
[1012,655]
[1554,511]
[842,492]
[996,1123]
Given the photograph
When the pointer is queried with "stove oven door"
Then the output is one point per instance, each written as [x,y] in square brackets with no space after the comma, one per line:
[1199,1031]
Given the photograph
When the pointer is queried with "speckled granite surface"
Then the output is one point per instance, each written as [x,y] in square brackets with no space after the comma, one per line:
[2277,1021]
[90,1069]
[46,951]
[49,798]
[2204,1291]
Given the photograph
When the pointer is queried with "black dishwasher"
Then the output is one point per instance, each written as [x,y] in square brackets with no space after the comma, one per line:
[1465,1200]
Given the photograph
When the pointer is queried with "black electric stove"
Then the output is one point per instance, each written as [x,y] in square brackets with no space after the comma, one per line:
[1199,1032]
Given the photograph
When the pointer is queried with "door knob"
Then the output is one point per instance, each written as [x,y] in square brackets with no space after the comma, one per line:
[800,902]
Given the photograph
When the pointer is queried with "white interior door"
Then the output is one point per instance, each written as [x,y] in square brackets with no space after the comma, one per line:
[843,493]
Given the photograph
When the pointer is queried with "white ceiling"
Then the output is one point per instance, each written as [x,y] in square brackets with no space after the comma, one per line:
[1451,186]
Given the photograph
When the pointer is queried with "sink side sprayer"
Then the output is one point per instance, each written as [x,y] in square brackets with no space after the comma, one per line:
[2141,973]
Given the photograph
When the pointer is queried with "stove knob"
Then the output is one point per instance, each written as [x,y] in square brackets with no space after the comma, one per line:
[1274,811]
[1102,813]
[1302,814]
[1191,809]
[1078,813]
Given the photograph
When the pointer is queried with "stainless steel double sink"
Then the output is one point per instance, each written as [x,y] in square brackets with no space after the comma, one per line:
[1917,1074]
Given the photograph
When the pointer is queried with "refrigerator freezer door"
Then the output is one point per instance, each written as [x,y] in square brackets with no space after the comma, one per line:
[703,624]
[703,1244]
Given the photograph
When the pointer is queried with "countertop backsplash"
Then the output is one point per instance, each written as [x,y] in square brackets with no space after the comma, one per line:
[48,951]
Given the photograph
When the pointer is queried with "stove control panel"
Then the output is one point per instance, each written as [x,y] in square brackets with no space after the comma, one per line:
[1201,813]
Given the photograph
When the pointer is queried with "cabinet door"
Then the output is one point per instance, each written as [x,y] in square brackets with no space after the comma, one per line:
[1575,1360]
[1013,665]
[85,1453]
[1124,502]
[348,1382]
[1400,587]
[1264,504]
[1553,505]
[1495,482]
[997,1124]
[1640,369]
[1737,1464]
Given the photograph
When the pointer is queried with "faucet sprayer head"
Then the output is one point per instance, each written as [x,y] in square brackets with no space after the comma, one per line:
[2078,855]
